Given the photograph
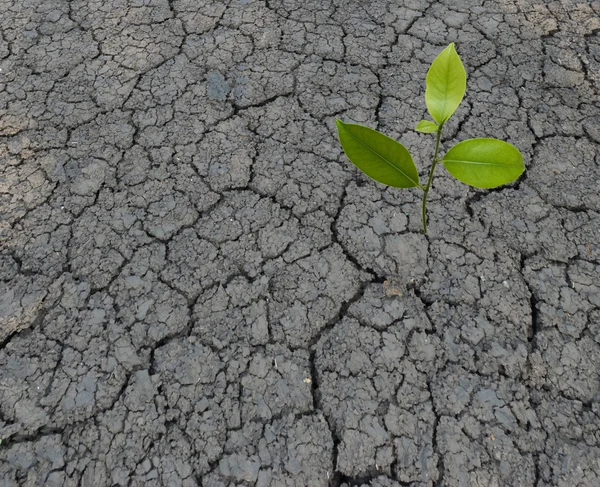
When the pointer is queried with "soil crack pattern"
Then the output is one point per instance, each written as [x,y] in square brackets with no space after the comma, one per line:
[198,289]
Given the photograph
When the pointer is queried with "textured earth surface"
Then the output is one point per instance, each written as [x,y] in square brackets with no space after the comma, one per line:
[198,289]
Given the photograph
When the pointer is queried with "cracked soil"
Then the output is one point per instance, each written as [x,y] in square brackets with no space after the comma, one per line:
[198,289]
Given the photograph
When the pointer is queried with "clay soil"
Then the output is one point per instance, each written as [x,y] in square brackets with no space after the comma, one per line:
[198,289]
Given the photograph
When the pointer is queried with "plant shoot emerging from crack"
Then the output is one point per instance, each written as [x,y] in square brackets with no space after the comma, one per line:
[482,163]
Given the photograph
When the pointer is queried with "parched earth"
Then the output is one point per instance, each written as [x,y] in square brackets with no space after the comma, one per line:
[198,289]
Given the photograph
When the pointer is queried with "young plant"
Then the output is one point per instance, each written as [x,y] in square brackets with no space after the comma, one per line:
[483,163]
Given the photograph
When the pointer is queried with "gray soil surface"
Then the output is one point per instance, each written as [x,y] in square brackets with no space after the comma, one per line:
[198,289]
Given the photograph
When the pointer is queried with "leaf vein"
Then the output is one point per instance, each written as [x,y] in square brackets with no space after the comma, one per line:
[482,163]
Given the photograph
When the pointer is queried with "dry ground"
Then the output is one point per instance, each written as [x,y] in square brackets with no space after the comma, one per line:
[197,288]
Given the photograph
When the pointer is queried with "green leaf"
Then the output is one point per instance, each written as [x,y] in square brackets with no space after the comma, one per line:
[427,127]
[379,157]
[484,163]
[446,84]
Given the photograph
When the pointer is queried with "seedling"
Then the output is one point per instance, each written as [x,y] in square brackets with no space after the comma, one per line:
[482,163]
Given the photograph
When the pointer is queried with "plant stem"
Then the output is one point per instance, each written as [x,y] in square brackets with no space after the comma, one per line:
[426,189]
